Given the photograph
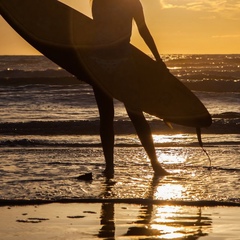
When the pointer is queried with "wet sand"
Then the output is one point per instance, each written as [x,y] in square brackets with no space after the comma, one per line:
[109,220]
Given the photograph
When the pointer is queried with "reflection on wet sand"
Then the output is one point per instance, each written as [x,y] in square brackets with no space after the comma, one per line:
[170,222]
[107,221]
[157,221]
[107,215]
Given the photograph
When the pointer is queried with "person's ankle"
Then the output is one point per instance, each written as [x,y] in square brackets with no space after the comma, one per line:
[159,170]
[109,172]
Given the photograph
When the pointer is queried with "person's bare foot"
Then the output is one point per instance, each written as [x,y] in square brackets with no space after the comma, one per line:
[109,173]
[159,171]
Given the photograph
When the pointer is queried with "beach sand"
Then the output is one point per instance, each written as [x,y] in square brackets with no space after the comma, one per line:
[70,221]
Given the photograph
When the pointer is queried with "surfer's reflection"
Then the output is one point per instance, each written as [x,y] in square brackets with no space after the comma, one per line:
[107,221]
[170,222]
[111,52]
[107,214]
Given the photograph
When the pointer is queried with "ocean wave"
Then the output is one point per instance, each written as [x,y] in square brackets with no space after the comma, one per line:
[11,73]
[227,115]
[48,77]
[46,143]
[81,127]
[35,143]
[217,82]
[213,85]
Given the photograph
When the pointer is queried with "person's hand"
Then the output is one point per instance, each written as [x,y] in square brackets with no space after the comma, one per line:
[161,66]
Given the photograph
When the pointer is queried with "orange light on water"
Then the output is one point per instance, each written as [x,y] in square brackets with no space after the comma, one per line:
[169,191]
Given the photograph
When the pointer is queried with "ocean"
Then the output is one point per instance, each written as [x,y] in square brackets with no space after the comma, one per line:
[49,136]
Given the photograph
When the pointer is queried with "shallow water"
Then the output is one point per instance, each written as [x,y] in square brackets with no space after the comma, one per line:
[50,173]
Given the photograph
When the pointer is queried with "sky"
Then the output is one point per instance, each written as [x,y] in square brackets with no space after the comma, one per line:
[177,26]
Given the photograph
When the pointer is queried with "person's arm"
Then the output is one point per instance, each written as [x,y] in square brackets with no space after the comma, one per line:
[144,31]
[147,37]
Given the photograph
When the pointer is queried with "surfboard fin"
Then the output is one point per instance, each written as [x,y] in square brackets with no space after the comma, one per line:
[198,130]
[168,124]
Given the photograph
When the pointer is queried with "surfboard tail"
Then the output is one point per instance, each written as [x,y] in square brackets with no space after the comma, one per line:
[201,121]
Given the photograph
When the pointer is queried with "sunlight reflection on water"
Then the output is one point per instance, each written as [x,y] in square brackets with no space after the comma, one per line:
[169,191]
[174,138]
[172,157]
[171,222]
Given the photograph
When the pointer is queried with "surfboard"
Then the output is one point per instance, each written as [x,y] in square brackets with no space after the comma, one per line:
[64,36]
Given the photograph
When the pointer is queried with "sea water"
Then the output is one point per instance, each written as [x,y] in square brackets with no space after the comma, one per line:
[49,135]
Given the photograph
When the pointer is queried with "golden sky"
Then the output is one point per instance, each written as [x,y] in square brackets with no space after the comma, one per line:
[178,26]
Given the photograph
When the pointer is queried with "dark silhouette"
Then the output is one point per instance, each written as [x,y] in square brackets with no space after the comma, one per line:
[113,27]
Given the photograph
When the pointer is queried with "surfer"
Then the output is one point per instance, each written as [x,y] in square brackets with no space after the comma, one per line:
[113,28]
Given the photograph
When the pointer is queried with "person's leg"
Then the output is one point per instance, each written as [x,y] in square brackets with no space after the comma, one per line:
[144,133]
[106,113]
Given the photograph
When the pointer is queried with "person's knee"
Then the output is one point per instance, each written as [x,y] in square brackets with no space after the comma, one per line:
[105,106]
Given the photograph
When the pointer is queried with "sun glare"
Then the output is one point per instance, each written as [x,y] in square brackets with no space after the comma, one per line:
[177,138]
[170,191]
[176,222]
[171,155]
[162,138]
[164,218]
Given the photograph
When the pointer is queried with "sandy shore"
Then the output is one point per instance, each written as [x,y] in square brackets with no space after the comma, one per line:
[118,221]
